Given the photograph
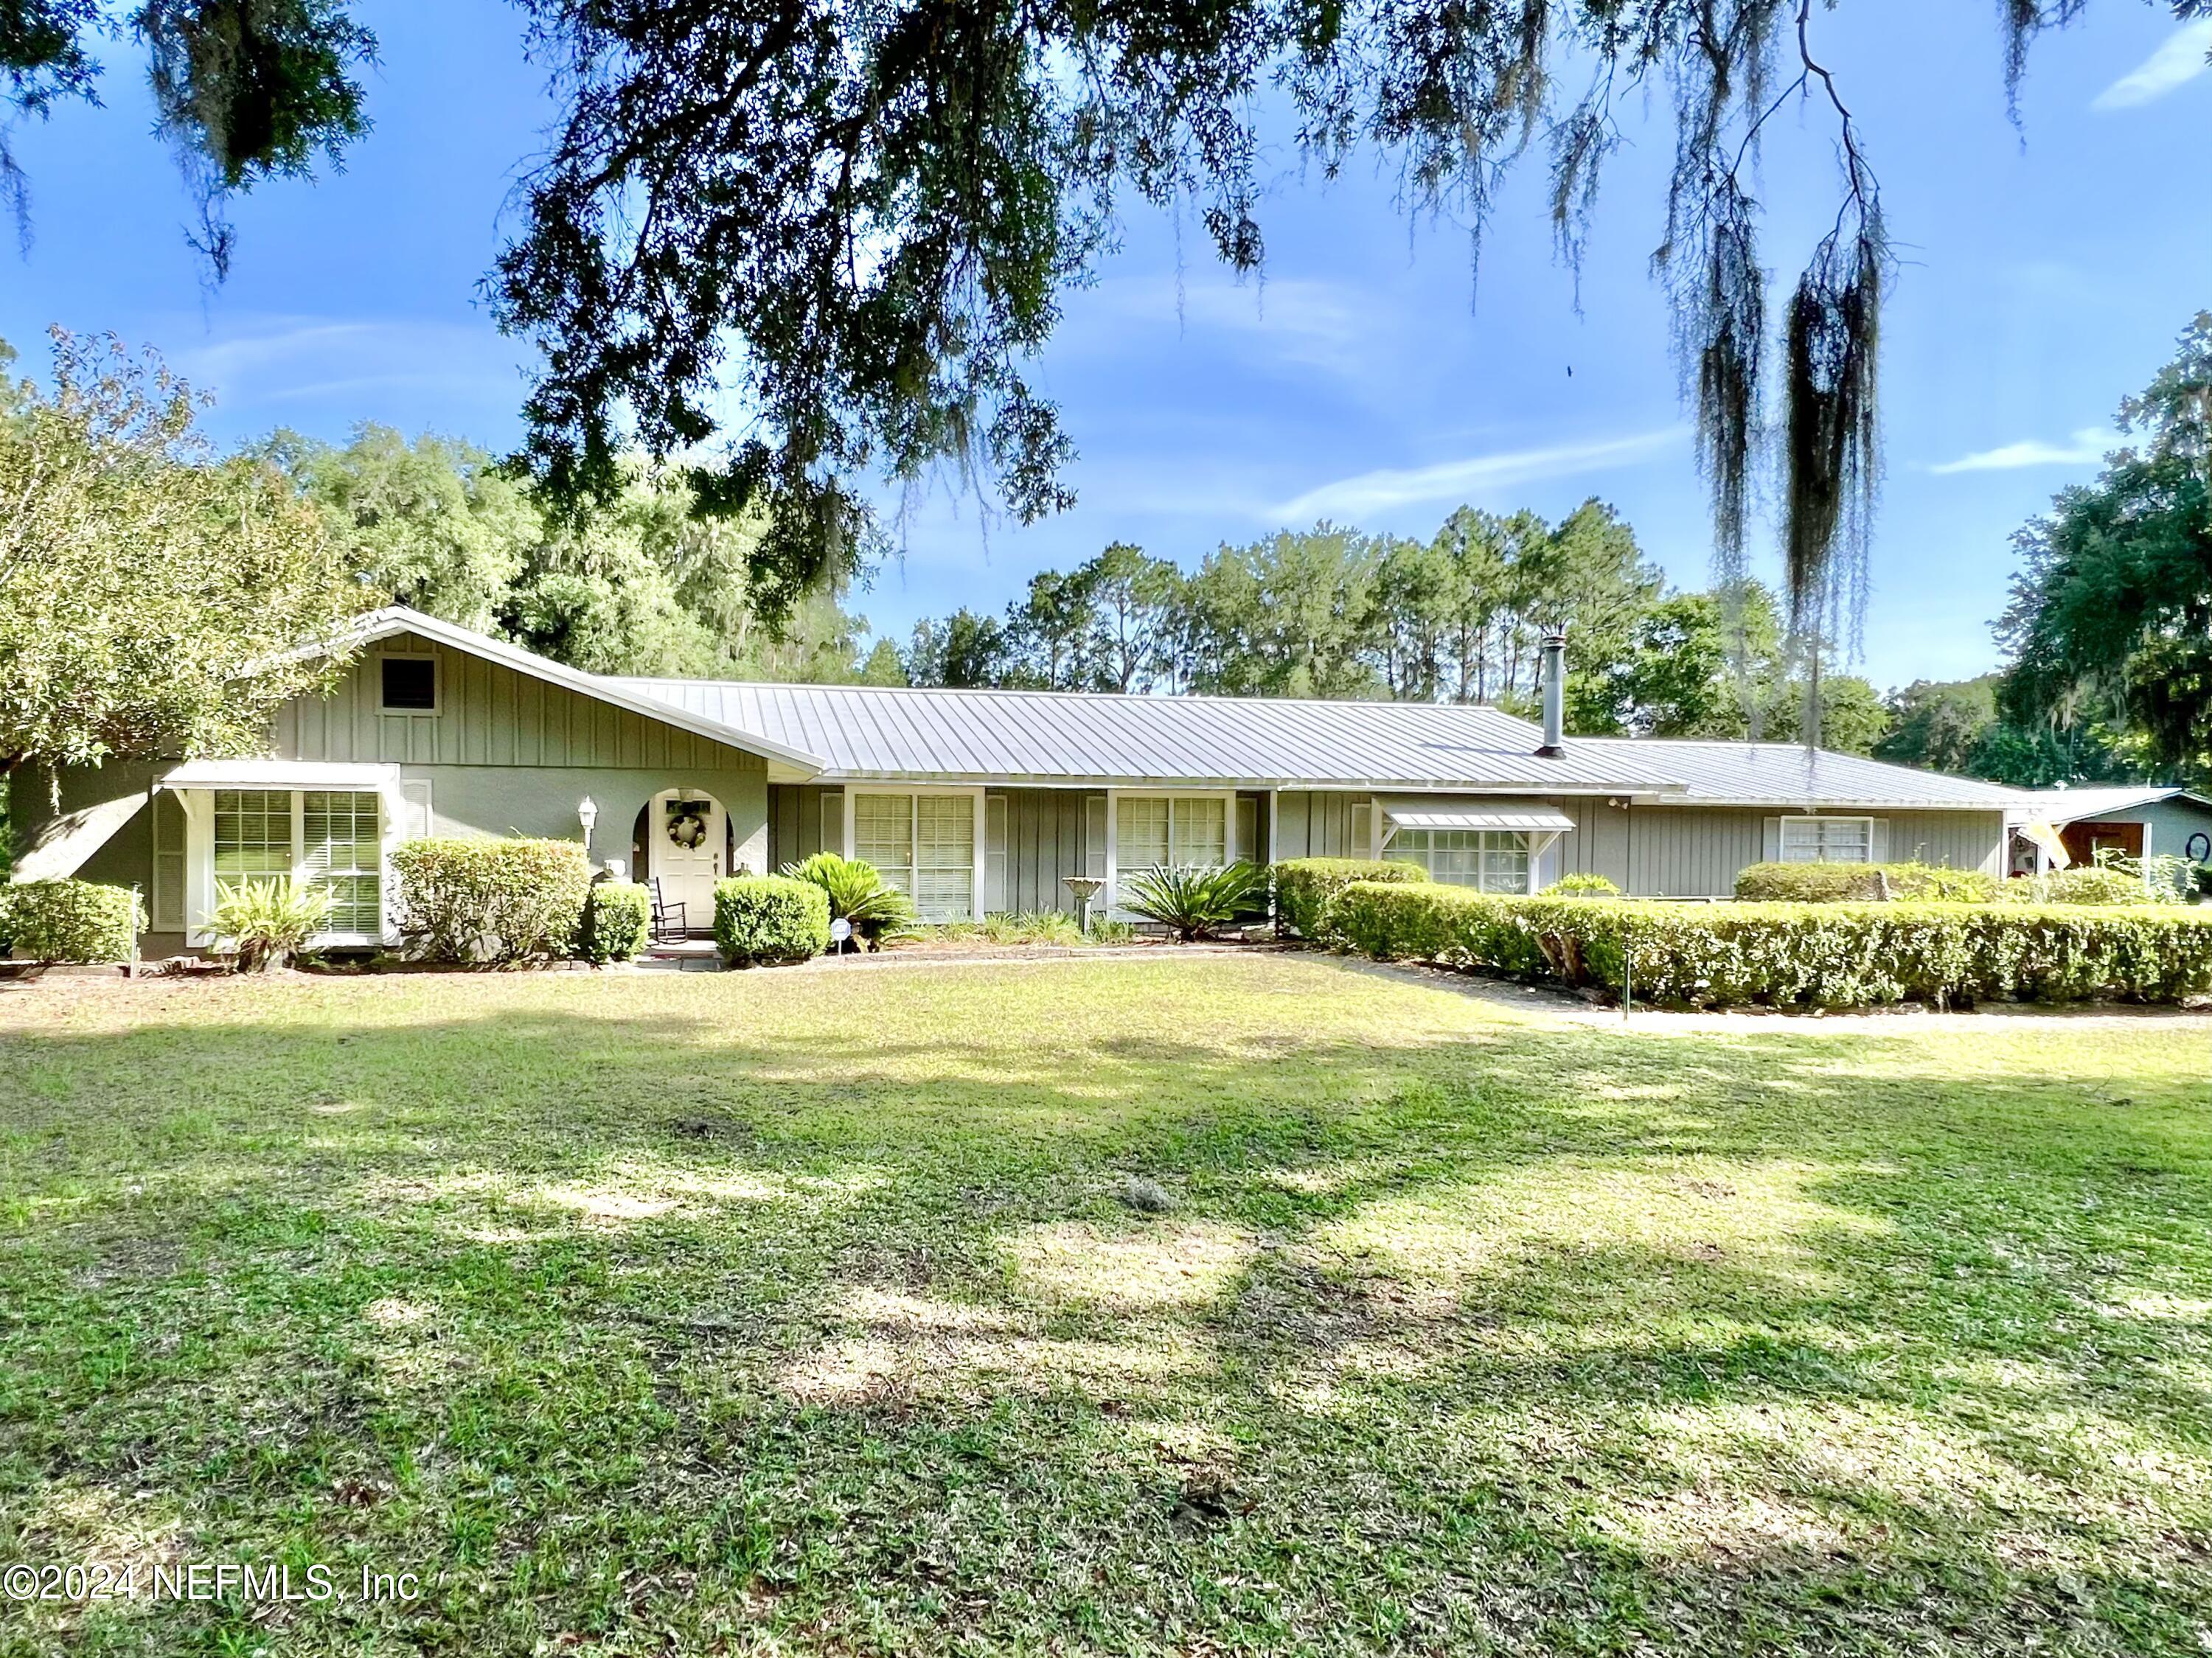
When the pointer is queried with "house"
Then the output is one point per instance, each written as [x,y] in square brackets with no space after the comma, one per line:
[2138,821]
[969,800]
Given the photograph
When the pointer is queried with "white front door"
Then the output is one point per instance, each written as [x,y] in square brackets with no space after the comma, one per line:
[684,840]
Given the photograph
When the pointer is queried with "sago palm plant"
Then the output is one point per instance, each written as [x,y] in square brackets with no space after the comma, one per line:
[875,909]
[1192,902]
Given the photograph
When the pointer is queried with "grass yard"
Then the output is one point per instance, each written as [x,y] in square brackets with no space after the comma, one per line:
[802,1312]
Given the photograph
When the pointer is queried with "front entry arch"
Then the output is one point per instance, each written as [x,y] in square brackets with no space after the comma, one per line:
[686,831]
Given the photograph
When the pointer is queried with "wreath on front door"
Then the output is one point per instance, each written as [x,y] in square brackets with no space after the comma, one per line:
[687,829]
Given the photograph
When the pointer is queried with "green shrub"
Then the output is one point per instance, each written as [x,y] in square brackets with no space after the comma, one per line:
[476,899]
[1303,886]
[69,922]
[1809,883]
[2088,883]
[1848,884]
[1191,902]
[1582,885]
[1791,955]
[1933,884]
[617,921]
[266,923]
[858,892]
[766,919]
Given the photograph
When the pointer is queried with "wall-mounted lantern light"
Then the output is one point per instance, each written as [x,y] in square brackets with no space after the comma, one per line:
[587,813]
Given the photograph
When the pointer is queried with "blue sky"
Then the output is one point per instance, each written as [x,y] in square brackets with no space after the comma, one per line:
[1368,378]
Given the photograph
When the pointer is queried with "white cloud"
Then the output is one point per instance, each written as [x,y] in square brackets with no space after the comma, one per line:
[2179,59]
[2087,447]
[1318,325]
[1375,492]
[270,360]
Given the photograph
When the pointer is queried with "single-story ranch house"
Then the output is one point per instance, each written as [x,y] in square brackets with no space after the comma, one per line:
[970,801]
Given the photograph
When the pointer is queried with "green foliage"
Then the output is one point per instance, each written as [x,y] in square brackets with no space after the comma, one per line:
[434,523]
[262,925]
[243,90]
[859,894]
[617,921]
[2110,620]
[1190,902]
[1581,885]
[1334,612]
[1303,886]
[1787,955]
[642,582]
[1049,927]
[152,598]
[1840,882]
[2088,883]
[1808,884]
[69,922]
[479,899]
[760,920]
[1934,884]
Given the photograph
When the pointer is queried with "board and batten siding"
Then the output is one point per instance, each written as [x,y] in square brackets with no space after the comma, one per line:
[795,819]
[1048,835]
[1316,823]
[1697,852]
[488,715]
[506,753]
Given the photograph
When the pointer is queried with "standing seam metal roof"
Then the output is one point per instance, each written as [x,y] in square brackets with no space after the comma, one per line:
[925,735]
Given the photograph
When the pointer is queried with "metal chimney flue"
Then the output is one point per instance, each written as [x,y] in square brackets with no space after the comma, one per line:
[1555,695]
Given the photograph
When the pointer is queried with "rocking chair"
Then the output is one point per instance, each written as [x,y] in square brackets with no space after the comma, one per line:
[670,923]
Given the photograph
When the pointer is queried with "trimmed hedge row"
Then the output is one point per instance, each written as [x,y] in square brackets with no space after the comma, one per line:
[617,921]
[1303,886]
[69,922]
[1840,883]
[476,899]
[761,920]
[1829,956]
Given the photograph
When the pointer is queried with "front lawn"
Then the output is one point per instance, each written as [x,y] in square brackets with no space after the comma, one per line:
[805,1313]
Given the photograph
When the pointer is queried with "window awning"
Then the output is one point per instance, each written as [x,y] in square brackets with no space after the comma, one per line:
[65,843]
[1478,812]
[282,774]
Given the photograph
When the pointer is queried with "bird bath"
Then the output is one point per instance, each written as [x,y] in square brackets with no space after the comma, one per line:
[1083,888]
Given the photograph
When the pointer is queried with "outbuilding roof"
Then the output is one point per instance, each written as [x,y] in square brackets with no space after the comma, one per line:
[2071,805]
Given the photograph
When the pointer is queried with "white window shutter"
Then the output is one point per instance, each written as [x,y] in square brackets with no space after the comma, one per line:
[995,895]
[1772,852]
[1094,836]
[168,898]
[1878,841]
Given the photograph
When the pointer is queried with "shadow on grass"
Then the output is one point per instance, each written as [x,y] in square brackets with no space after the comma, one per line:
[1461,1331]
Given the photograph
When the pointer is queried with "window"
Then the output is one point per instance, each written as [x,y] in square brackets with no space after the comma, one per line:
[332,840]
[410,684]
[945,855]
[1827,840]
[1152,829]
[252,835]
[345,855]
[1489,860]
[924,845]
